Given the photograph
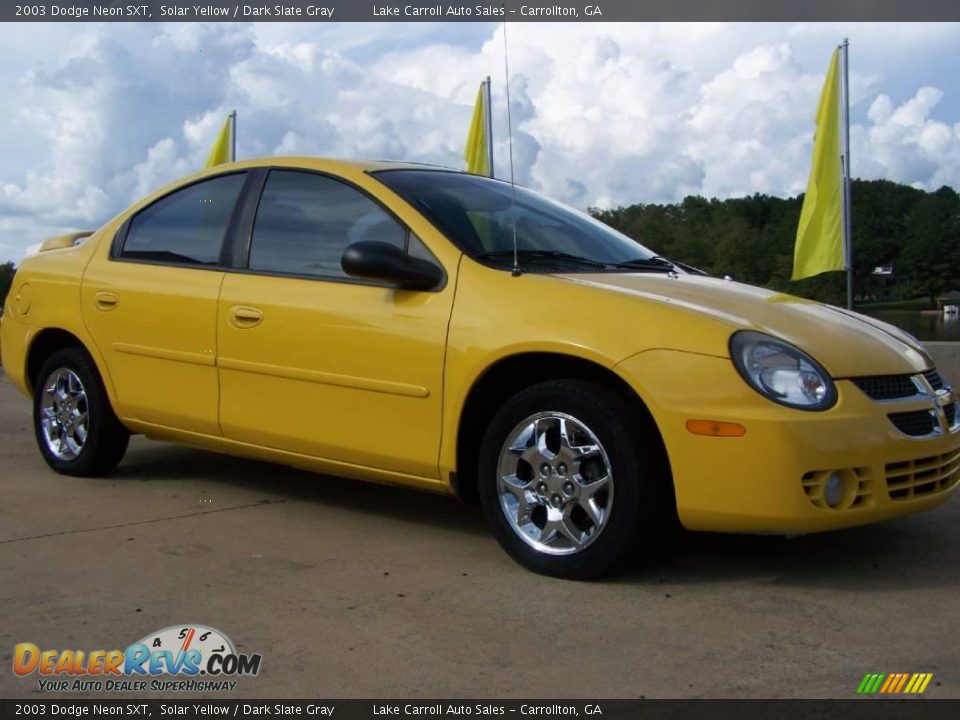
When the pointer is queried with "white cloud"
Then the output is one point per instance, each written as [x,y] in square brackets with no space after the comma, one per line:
[904,142]
[602,114]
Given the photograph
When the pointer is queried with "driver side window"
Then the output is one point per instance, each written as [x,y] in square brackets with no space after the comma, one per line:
[305,221]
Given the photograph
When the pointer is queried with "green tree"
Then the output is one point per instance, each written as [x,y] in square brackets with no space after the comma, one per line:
[752,239]
[931,256]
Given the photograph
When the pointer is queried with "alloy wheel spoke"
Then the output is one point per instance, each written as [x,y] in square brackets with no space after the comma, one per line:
[532,455]
[593,512]
[548,533]
[588,489]
[62,386]
[540,430]
[72,444]
[593,486]
[569,530]
[73,386]
[565,431]
[582,452]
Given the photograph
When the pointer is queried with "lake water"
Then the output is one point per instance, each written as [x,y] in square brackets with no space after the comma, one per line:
[921,325]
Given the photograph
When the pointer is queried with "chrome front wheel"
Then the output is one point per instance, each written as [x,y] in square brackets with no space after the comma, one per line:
[547,468]
[65,414]
[555,483]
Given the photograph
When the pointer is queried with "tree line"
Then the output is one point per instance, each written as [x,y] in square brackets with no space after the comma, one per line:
[916,233]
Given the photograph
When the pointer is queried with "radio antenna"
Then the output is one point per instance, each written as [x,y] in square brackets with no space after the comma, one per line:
[513,185]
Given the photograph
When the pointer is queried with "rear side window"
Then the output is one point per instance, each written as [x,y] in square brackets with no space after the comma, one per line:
[186,227]
[305,221]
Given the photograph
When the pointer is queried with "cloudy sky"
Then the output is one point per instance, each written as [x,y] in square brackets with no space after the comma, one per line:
[96,116]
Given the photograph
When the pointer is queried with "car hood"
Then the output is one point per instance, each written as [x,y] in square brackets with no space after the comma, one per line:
[847,344]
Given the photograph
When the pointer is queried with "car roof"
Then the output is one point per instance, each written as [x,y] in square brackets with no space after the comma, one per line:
[348,169]
[323,163]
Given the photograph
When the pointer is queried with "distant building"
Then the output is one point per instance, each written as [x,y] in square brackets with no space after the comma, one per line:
[886,270]
[950,298]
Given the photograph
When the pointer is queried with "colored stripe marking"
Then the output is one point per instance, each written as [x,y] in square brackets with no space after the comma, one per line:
[876,683]
[901,682]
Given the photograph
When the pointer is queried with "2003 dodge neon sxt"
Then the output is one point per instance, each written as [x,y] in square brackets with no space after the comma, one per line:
[367,320]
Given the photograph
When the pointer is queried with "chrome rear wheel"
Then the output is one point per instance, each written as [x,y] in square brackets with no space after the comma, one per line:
[65,414]
[75,426]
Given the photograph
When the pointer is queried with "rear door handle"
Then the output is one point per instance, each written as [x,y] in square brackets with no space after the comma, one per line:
[106,300]
[243,316]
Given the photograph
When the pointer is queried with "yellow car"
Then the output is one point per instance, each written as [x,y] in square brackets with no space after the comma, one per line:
[430,328]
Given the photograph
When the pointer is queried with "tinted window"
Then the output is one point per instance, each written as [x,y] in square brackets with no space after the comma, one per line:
[186,226]
[305,222]
[481,215]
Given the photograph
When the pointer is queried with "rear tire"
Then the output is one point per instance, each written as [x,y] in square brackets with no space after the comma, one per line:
[75,426]
[577,507]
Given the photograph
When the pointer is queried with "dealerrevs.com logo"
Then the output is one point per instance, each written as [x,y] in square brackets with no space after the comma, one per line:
[178,658]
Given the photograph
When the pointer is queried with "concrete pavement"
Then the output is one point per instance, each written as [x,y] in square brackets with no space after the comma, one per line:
[355,590]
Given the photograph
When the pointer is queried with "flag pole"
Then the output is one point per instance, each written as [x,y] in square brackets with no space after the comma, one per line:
[488,104]
[846,204]
[233,136]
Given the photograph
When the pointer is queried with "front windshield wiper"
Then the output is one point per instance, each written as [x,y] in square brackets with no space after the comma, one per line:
[542,255]
[654,264]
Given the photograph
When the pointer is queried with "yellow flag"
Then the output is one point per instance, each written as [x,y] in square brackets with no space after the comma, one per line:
[819,245]
[222,147]
[476,151]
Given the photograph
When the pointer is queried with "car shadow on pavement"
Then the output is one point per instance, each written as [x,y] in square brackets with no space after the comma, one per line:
[912,551]
[164,463]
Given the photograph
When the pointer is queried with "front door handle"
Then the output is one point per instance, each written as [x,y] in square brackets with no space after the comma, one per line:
[106,300]
[243,316]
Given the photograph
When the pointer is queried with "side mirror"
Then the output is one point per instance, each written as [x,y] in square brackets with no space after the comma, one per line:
[381,261]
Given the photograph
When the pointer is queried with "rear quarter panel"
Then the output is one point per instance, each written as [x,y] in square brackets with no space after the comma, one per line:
[46,294]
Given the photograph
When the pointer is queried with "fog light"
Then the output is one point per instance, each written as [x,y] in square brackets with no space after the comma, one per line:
[833,490]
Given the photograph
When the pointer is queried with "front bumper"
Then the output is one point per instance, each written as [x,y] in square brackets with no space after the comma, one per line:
[770,480]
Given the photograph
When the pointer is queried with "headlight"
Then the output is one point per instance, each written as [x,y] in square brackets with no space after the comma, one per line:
[781,372]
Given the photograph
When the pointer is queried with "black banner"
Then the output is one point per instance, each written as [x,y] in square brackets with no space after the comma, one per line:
[513,11]
[519,709]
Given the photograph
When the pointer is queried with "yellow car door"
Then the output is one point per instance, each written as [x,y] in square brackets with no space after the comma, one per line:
[317,363]
[150,302]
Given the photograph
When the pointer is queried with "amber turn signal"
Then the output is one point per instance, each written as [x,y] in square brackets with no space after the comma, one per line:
[716,429]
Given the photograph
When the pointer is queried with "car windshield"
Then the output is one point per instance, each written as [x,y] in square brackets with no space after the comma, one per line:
[479,215]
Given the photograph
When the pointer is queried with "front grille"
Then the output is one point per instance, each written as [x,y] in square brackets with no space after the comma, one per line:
[934,378]
[887,387]
[917,423]
[950,411]
[926,476]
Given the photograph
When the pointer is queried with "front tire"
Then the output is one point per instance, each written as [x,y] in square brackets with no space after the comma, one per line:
[75,426]
[569,477]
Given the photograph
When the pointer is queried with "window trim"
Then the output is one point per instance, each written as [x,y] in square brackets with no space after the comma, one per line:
[243,238]
[226,242]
